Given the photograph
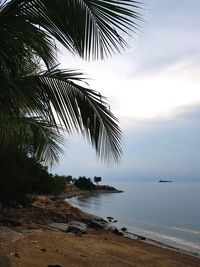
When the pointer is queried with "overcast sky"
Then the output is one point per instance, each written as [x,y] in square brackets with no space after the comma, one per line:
[154,89]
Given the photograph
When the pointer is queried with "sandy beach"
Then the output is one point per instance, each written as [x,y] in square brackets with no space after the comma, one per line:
[51,248]
[25,241]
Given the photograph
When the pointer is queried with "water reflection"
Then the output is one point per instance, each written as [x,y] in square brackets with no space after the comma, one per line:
[94,202]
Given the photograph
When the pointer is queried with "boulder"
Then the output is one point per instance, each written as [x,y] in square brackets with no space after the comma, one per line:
[117,232]
[77,227]
[98,224]
[58,226]
[141,238]
[95,221]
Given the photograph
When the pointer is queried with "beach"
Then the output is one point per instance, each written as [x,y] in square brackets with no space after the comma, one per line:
[27,241]
[51,248]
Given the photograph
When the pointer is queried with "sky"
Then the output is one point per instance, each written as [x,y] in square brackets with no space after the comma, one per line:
[154,89]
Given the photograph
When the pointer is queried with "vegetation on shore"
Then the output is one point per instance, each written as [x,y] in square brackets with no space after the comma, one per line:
[28,178]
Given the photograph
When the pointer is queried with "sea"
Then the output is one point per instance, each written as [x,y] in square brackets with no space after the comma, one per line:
[165,212]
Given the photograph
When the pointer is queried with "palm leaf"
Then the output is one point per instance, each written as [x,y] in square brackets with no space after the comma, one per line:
[91,28]
[32,135]
[77,108]
[20,40]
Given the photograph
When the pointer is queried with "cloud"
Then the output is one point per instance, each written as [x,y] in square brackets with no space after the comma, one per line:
[170,34]
[153,148]
[165,147]
[154,90]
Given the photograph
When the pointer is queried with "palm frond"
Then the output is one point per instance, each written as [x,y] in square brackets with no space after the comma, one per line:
[32,135]
[19,38]
[91,28]
[76,107]
[46,140]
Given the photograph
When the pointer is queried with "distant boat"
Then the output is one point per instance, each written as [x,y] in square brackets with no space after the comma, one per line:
[165,181]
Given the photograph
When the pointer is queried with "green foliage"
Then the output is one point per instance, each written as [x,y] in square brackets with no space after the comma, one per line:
[84,183]
[97,179]
[67,178]
[22,176]
[57,185]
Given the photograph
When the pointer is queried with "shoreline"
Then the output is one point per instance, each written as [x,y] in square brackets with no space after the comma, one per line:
[134,236]
[72,191]
[160,244]
[96,246]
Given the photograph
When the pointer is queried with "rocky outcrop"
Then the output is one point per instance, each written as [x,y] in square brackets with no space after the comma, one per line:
[58,226]
[75,227]
[42,211]
[95,221]
[73,191]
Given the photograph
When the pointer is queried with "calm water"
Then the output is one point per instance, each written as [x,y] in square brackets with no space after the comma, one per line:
[167,212]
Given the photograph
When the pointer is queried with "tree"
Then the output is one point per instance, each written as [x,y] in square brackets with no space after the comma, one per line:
[43,103]
[84,183]
[21,175]
[97,179]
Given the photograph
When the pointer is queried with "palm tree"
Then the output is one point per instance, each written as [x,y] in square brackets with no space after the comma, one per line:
[43,103]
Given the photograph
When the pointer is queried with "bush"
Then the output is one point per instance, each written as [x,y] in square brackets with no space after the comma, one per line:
[84,183]
[21,176]
[57,185]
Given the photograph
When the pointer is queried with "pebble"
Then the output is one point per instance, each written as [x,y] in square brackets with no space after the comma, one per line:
[15,254]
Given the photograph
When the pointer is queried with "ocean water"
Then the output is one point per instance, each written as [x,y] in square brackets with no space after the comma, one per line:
[166,212]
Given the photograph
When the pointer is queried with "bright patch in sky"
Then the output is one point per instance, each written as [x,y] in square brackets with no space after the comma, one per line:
[146,87]
[146,94]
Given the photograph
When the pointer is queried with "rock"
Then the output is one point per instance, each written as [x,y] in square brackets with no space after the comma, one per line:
[110,218]
[124,229]
[141,238]
[89,216]
[97,224]
[77,227]
[95,221]
[117,232]
[115,221]
[22,229]
[56,216]
[15,254]
[43,250]
[58,226]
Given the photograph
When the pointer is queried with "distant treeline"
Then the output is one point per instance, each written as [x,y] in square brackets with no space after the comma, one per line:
[81,179]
